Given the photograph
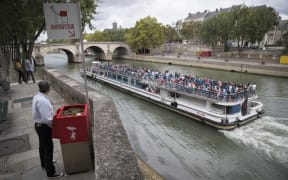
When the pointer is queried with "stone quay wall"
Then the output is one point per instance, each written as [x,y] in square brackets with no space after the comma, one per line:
[268,69]
[113,155]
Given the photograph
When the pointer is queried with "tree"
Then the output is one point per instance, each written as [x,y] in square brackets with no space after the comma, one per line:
[262,19]
[107,35]
[209,32]
[251,24]
[241,25]
[225,26]
[22,22]
[133,42]
[170,34]
[190,30]
[178,27]
[245,25]
[10,32]
[147,34]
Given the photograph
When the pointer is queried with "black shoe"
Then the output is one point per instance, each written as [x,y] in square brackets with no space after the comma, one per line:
[56,175]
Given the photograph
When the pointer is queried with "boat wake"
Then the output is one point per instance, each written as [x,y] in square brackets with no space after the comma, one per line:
[266,135]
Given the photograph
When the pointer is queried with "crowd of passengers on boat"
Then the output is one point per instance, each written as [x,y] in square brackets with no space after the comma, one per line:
[217,89]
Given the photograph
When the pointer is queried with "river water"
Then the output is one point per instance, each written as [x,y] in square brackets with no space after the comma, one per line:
[179,148]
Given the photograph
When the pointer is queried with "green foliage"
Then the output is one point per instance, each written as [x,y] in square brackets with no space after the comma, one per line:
[217,29]
[190,30]
[146,34]
[262,19]
[170,34]
[241,24]
[209,31]
[251,24]
[132,40]
[22,21]
[88,9]
[225,26]
[107,36]
[62,41]
[26,19]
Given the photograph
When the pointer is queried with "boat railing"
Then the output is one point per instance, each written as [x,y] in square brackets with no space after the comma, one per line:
[231,97]
[138,80]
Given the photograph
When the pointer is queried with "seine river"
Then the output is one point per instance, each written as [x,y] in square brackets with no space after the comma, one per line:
[180,148]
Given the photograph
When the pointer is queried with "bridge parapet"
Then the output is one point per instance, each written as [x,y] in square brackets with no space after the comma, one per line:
[102,50]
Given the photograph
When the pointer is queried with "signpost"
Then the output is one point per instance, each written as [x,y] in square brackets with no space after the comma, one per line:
[63,21]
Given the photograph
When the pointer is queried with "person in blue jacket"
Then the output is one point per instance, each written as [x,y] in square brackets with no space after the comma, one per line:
[29,67]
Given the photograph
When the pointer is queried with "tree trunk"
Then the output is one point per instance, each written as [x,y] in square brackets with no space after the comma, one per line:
[4,70]
[30,48]
[213,47]
[239,48]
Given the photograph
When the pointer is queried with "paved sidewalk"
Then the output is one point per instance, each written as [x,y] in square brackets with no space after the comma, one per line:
[19,157]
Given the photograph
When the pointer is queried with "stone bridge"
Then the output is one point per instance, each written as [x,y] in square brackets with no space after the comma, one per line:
[101,50]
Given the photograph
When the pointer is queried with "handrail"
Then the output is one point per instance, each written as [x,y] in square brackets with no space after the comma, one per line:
[232,97]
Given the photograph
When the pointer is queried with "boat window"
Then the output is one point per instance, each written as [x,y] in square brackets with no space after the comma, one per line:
[233,109]
[217,106]
[173,94]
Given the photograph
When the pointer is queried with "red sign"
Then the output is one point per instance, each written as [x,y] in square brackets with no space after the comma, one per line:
[63,13]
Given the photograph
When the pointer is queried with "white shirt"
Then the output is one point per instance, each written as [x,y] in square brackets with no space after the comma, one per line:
[42,109]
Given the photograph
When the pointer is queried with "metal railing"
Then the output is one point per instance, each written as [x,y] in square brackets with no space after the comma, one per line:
[139,81]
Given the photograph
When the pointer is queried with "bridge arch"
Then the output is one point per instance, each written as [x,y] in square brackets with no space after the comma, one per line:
[70,55]
[97,51]
[120,51]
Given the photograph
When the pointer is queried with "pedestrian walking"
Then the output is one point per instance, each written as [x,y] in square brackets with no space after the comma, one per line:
[29,67]
[42,113]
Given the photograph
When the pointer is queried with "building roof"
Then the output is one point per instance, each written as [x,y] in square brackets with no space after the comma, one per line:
[195,17]
[283,25]
[207,14]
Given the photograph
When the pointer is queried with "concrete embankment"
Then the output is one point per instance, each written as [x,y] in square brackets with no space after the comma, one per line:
[240,65]
[113,155]
[112,152]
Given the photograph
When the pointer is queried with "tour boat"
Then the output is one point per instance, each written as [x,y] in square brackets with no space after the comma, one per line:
[204,102]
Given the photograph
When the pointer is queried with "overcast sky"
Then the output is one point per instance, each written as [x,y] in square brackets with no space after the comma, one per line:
[127,12]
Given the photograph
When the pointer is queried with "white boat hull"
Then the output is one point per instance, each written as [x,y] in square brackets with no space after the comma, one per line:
[219,121]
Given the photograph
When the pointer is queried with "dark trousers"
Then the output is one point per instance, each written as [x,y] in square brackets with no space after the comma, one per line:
[30,73]
[21,77]
[45,147]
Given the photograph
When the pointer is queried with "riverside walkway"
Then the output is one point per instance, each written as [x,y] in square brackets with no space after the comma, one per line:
[19,157]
